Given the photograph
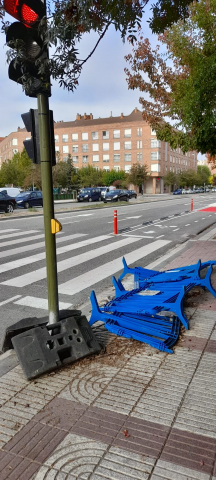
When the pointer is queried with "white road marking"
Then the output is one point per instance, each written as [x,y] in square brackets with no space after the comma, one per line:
[138,216]
[21,240]
[34,246]
[10,300]
[137,236]
[150,231]
[5,267]
[40,274]
[75,216]
[175,229]
[42,303]
[172,226]
[88,279]
[187,224]
[157,225]
[9,230]
[19,234]
[160,236]
[195,221]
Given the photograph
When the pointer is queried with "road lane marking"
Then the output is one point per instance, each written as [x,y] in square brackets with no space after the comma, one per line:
[42,303]
[160,236]
[175,229]
[21,262]
[10,300]
[94,276]
[21,240]
[34,246]
[36,275]
[187,225]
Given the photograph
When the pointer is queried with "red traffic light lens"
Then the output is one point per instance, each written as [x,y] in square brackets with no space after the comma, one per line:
[28,15]
[21,11]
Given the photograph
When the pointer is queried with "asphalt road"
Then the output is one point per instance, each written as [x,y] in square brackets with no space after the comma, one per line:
[88,252]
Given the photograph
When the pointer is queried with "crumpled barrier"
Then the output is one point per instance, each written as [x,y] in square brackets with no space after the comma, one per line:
[159,332]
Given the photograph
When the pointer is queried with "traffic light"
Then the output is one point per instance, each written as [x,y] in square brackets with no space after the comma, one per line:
[30,67]
[32,145]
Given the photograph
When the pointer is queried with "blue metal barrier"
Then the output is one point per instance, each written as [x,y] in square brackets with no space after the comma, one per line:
[159,332]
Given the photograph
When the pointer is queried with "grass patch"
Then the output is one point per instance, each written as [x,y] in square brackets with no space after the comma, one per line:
[32,209]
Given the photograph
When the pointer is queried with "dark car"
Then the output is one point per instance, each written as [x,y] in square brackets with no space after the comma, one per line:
[177,192]
[29,199]
[89,195]
[132,194]
[116,196]
[7,204]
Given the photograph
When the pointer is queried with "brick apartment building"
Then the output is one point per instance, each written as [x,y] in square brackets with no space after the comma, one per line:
[111,143]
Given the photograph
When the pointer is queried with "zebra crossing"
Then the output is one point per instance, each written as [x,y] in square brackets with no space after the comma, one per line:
[82,262]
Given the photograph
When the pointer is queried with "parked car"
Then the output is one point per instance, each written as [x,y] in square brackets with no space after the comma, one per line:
[207,189]
[89,195]
[177,192]
[30,199]
[116,196]
[184,191]
[213,189]
[11,191]
[189,191]
[7,203]
[132,194]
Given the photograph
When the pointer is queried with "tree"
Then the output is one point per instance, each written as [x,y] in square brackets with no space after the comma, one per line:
[187,178]
[14,171]
[69,20]
[170,179]
[90,176]
[181,84]
[203,175]
[110,177]
[138,174]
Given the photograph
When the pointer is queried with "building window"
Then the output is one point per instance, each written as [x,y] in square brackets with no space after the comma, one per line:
[127,157]
[166,168]
[74,137]
[85,158]
[65,159]
[116,133]
[15,150]
[105,158]
[116,157]
[116,146]
[139,132]
[95,158]
[139,143]
[75,148]
[127,145]
[170,158]
[84,136]
[155,143]
[116,168]
[155,155]
[14,141]
[105,134]
[139,157]
[153,132]
[127,132]
[56,138]
[105,147]
[94,135]
[127,168]
[65,149]
[106,169]
[85,147]
[57,149]
[65,138]
[75,158]
[95,147]
[156,168]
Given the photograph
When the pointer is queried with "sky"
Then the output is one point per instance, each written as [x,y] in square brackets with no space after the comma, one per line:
[102,86]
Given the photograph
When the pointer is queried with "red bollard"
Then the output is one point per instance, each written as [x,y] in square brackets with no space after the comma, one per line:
[115,222]
[191,204]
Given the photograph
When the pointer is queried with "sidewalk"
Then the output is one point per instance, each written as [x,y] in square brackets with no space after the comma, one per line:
[130,413]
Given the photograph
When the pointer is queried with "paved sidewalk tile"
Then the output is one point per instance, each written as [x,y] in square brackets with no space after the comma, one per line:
[76,456]
[170,471]
[162,398]
[201,324]
[190,450]
[198,411]
[13,467]
[118,464]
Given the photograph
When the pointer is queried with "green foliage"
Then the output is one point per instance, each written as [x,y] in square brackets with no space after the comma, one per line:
[111,176]
[203,175]
[14,172]
[138,174]
[181,84]
[170,179]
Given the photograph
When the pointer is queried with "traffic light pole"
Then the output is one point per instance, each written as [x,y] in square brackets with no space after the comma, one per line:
[48,205]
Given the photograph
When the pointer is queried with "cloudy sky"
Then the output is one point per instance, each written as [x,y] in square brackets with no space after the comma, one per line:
[102,87]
